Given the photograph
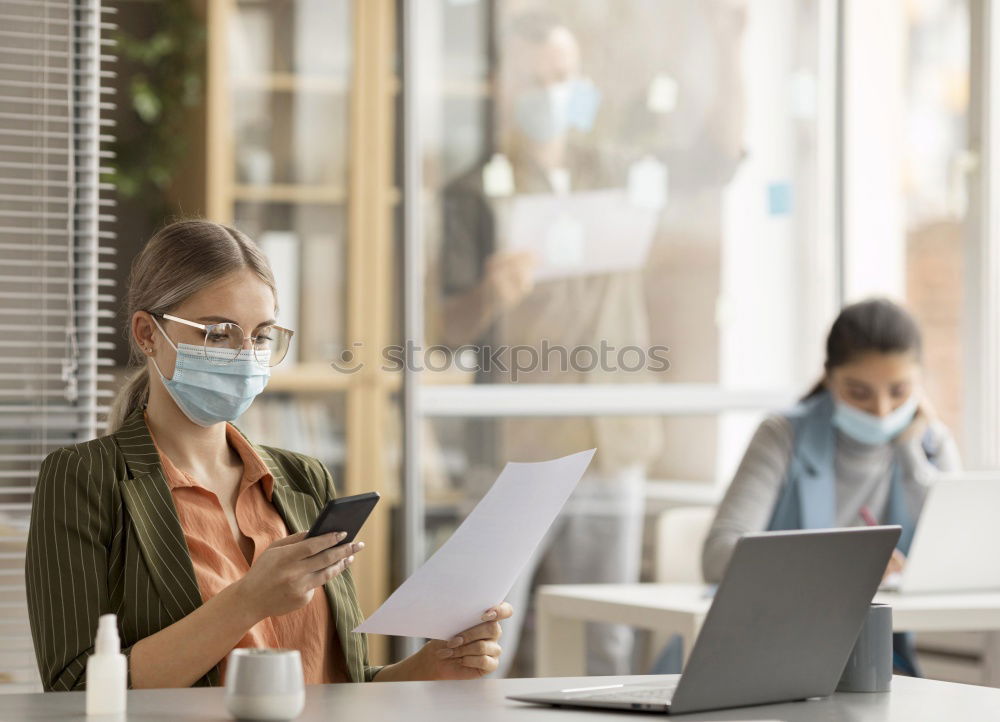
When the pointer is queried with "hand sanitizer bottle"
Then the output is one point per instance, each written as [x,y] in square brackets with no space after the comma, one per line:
[107,672]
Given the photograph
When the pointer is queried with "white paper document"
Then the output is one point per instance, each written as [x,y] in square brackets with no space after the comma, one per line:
[583,233]
[476,568]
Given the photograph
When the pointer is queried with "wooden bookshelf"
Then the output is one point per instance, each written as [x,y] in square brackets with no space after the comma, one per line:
[360,149]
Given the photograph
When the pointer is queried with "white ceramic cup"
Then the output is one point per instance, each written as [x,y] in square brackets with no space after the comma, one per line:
[264,684]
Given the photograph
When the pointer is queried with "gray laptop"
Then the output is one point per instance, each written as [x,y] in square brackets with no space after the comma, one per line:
[781,627]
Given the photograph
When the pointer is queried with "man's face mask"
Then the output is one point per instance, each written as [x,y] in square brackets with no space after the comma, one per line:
[548,112]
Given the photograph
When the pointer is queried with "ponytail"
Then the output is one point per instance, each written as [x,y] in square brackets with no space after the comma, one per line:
[133,395]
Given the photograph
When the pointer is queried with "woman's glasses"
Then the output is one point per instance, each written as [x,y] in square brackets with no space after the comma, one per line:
[224,341]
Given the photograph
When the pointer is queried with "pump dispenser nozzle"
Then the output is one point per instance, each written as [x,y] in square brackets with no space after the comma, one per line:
[107,641]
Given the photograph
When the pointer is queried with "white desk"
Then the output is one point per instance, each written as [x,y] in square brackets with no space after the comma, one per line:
[911,700]
[681,608]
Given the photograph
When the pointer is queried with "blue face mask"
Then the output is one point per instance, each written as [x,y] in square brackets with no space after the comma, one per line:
[546,113]
[207,392]
[870,429]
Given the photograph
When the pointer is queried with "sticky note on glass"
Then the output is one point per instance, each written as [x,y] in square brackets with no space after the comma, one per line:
[779,199]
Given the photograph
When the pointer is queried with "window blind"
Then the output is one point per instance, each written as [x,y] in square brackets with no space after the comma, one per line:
[55,292]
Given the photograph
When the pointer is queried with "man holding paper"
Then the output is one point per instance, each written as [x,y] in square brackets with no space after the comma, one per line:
[530,259]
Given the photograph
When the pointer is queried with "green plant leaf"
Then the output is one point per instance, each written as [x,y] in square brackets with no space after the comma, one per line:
[145,100]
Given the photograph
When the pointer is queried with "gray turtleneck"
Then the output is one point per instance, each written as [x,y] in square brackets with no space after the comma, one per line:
[863,474]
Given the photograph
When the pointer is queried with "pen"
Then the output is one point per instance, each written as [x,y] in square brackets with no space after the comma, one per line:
[867,516]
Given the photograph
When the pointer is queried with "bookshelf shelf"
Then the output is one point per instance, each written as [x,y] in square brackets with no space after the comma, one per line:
[307,378]
[290,193]
[292,83]
[299,193]
[467,88]
[318,377]
[301,83]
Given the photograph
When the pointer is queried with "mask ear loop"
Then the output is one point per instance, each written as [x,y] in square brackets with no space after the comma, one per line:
[158,326]
[156,365]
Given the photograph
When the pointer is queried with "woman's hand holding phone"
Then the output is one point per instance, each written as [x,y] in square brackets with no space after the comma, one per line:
[285,576]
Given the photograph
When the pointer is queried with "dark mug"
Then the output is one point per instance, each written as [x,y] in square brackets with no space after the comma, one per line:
[869,668]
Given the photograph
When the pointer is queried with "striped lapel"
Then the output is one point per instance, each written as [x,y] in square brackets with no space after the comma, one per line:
[299,510]
[147,498]
[150,505]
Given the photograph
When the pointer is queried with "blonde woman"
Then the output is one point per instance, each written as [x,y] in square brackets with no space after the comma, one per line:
[190,532]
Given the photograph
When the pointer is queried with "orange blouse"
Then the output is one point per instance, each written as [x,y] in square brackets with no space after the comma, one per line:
[218,561]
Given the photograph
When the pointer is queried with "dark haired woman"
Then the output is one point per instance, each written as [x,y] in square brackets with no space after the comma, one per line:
[860,446]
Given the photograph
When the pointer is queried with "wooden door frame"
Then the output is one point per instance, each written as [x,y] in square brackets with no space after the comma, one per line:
[371,297]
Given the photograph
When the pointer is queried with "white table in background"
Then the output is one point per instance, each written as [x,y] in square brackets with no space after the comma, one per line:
[911,700]
[563,610]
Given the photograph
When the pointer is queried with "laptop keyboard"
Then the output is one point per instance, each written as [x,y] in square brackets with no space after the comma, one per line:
[661,694]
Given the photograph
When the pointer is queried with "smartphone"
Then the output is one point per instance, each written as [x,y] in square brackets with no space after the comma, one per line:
[348,514]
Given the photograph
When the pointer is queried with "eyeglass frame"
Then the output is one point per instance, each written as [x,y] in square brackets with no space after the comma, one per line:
[206,326]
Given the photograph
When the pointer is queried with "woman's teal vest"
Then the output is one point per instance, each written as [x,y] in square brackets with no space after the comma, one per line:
[808,497]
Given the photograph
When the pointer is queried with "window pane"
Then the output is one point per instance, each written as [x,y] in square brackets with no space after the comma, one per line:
[908,166]
[633,173]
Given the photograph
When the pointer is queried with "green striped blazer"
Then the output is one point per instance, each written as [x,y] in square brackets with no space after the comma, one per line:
[105,538]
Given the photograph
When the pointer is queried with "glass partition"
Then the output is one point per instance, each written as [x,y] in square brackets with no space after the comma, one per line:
[628,202]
